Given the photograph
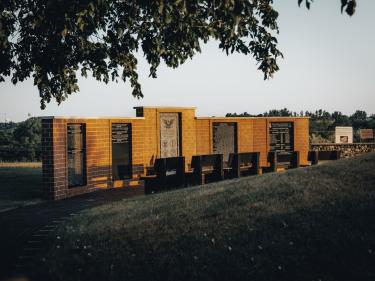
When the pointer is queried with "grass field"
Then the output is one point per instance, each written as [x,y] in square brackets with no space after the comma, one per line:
[20,184]
[316,223]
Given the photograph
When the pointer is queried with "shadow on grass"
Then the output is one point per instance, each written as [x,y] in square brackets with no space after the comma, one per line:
[322,243]
[316,223]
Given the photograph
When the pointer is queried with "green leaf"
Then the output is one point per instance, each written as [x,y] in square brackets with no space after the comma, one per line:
[64,33]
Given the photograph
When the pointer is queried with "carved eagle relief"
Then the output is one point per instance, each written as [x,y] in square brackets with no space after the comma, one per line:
[168,123]
[165,144]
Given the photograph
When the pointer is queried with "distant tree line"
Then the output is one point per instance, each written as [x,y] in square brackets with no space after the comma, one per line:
[21,141]
[322,122]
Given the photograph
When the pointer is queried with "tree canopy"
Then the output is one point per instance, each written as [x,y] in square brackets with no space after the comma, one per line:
[51,41]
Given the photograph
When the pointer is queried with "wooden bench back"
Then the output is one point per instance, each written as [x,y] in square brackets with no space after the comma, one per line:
[315,156]
[288,160]
[169,166]
[284,158]
[249,160]
[329,155]
[209,164]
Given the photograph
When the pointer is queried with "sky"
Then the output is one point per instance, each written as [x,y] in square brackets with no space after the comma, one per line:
[329,61]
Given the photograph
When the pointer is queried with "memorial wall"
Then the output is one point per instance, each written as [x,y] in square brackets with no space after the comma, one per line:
[83,154]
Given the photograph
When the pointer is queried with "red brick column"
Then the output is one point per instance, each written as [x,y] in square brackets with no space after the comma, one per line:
[47,158]
[53,159]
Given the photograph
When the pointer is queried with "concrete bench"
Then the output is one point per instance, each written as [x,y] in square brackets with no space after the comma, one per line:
[168,173]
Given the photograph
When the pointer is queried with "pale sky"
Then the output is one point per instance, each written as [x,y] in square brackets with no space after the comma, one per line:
[329,62]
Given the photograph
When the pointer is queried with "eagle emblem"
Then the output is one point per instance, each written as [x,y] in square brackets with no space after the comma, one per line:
[168,123]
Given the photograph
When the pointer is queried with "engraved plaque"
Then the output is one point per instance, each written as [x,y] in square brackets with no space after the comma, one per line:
[121,151]
[120,133]
[169,135]
[281,137]
[76,155]
[224,139]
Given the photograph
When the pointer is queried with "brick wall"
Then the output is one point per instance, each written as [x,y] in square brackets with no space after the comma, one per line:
[151,132]
[203,136]
[260,139]
[98,155]
[252,136]
[301,139]
[47,158]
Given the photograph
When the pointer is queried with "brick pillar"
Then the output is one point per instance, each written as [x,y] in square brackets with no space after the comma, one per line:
[60,184]
[47,158]
[53,159]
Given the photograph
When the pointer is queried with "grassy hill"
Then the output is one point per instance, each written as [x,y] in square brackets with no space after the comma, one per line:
[316,223]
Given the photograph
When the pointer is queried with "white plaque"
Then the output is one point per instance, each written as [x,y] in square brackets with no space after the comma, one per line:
[344,135]
[169,135]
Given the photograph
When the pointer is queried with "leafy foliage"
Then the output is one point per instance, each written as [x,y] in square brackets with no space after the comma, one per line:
[52,40]
[21,142]
[347,5]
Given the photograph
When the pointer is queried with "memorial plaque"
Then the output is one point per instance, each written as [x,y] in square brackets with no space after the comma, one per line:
[121,132]
[76,155]
[366,134]
[169,135]
[224,139]
[121,151]
[344,135]
[281,137]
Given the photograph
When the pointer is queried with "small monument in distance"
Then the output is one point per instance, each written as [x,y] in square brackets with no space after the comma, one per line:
[344,135]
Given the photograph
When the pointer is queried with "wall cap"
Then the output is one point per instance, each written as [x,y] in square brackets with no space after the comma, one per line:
[165,107]
[91,118]
[343,144]
[255,117]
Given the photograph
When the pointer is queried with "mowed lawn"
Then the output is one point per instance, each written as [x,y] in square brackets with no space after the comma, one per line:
[315,223]
[20,184]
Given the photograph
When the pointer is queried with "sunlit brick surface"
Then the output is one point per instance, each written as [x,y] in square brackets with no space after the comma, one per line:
[196,138]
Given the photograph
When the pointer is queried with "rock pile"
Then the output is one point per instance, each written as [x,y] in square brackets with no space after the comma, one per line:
[347,150]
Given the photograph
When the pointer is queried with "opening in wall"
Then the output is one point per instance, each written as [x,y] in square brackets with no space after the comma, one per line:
[76,150]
